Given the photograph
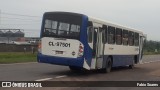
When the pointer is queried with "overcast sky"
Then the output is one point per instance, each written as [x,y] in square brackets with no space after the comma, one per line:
[143,15]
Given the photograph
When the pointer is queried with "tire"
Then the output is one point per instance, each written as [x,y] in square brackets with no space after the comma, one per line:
[108,66]
[131,66]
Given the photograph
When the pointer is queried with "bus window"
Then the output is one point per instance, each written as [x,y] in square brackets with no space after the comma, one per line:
[48,23]
[136,40]
[54,24]
[60,25]
[111,35]
[118,36]
[94,41]
[63,28]
[90,34]
[50,27]
[131,38]
[104,34]
[75,29]
[125,37]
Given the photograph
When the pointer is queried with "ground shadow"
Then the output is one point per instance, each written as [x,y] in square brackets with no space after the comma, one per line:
[70,73]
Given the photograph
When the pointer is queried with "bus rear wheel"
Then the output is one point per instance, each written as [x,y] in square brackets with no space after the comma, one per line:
[108,66]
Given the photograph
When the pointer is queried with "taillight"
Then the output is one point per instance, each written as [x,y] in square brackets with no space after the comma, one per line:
[39,47]
[81,50]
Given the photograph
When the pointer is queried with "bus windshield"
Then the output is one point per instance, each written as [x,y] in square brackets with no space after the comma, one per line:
[61,26]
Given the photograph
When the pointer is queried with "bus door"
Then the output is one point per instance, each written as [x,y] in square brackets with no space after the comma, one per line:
[99,48]
[141,48]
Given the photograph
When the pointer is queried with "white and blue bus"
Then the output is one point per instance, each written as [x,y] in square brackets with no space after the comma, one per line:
[83,42]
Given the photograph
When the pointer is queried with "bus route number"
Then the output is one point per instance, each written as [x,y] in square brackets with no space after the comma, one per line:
[60,44]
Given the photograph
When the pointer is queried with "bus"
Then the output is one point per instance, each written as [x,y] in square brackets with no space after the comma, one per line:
[82,42]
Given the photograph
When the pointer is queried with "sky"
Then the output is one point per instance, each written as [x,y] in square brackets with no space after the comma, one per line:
[143,15]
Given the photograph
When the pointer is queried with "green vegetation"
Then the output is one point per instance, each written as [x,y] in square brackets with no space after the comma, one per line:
[152,47]
[151,53]
[17,57]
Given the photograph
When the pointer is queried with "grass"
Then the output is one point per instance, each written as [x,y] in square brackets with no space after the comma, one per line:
[151,53]
[17,57]
[20,57]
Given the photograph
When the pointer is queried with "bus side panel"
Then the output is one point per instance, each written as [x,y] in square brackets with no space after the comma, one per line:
[122,60]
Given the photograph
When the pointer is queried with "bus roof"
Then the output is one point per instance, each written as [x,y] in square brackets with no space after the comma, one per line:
[99,21]
[113,24]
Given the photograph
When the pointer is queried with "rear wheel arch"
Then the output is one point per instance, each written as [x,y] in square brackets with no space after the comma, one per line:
[111,58]
[108,65]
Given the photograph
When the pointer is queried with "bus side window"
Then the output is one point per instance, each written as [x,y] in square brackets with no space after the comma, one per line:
[90,34]
[131,38]
[111,35]
[94,41]
[136,40]
[118,36]
[104,34]
[125,37]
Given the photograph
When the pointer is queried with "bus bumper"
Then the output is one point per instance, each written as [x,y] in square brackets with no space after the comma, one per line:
[60,60]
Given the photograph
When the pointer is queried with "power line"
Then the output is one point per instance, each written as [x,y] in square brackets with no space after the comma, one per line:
[20,18]
[18,14]
[20,24]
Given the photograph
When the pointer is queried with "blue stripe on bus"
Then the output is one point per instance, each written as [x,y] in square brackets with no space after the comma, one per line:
[60,60]
[121,60]
[83,39]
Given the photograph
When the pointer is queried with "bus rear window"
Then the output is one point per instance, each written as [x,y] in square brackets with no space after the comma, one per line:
[60,29]
[61,25]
